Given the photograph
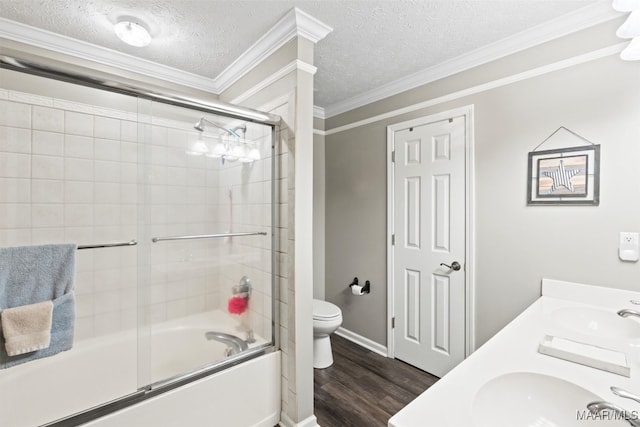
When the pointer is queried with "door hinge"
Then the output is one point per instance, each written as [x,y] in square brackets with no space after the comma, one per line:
[393,323]
[393,240]
[393,156]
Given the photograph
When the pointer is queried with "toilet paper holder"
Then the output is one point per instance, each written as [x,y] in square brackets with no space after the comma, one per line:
[365,289]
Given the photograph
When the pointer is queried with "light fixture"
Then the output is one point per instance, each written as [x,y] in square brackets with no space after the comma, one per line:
[197,147]
[132,33]
[231,146]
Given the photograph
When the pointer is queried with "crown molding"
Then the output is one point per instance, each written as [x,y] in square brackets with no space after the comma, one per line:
[566,24]
[58,43]
[290,67]
[514,78]
[294,23]
[318,112]
[310,27]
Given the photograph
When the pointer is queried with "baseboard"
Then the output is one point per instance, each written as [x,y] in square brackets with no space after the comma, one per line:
[311,421]
[362,341]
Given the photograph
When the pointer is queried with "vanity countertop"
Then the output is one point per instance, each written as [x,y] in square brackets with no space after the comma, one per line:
[449,402]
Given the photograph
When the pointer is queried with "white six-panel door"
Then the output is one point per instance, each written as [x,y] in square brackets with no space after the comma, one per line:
[429,231]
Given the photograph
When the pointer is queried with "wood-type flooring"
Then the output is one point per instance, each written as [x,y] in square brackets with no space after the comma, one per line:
[362,388]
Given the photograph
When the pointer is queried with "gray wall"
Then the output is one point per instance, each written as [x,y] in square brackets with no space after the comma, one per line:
[516,245]
[356,221]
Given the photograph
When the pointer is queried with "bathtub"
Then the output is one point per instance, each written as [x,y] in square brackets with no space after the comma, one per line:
[187,333]
[103,369]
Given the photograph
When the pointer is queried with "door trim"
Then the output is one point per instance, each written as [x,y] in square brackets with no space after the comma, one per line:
[467,112]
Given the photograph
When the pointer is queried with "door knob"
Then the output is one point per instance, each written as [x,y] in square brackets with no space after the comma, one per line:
[455,265]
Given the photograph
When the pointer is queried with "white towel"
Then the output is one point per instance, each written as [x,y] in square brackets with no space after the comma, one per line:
[27,328]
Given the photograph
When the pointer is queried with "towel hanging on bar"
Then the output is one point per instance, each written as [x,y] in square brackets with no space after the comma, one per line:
[33,274]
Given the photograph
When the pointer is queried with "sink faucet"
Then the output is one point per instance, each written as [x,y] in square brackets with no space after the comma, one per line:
[236,345]
[624,393]
[626,312]
[597,407]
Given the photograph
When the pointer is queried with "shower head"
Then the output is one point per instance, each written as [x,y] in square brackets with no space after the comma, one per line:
[200,127]
[242,128]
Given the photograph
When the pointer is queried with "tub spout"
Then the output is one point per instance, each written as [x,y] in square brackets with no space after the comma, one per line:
[236,345]
[626,312]
[598,407]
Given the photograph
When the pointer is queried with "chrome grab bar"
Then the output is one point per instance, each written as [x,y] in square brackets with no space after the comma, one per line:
[209,236]
[109,245]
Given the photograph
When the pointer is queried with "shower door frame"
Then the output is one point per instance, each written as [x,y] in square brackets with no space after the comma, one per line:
[70,73]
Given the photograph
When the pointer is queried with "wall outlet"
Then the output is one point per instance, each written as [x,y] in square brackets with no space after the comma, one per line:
[629,247]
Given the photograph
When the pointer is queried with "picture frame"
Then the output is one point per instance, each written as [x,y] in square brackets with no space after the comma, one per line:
[566,176]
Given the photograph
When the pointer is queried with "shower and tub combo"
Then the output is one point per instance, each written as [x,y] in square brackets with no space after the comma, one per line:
[175,282]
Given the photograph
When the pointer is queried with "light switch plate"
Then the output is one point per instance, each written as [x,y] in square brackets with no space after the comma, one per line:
[629,247]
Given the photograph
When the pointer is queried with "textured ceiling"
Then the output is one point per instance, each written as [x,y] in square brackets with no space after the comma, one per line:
[374,41]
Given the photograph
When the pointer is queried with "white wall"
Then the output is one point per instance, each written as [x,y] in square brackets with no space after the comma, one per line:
[319,184]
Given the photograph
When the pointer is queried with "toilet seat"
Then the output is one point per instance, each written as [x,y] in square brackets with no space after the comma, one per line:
[323,310]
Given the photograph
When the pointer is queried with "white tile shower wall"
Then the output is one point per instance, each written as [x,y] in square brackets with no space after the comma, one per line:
[71,172]
[59,183]
[244,205]
[186,198]
[284,272]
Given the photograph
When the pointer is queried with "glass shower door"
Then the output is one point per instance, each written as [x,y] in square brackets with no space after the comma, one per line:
[69,174]
[205,294]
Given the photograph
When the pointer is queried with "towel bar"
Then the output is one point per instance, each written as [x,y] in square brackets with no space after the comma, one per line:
[209,236]
[109,245]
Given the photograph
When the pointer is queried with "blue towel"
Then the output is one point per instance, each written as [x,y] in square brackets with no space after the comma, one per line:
[32,274]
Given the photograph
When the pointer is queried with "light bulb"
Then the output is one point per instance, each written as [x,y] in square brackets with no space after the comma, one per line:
[254,154]
[235,153]
[245,158]
[197,148]
[219,150]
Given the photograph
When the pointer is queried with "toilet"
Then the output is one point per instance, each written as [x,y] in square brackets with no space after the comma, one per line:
[327,318]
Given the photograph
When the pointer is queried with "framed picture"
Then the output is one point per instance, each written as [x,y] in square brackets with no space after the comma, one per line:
[568,176]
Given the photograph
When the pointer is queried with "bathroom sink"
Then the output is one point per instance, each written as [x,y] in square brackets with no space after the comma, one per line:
[527,399]
[595,322]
